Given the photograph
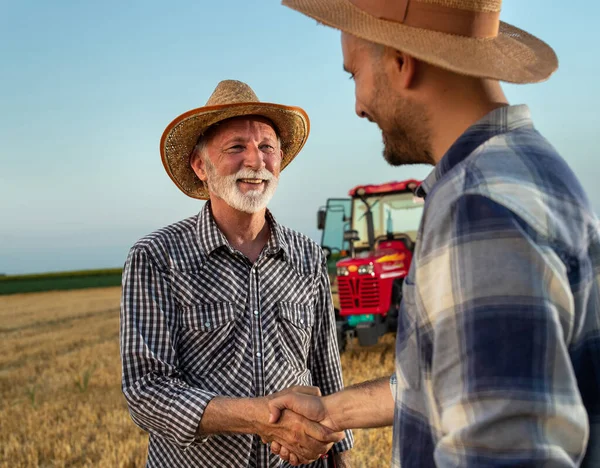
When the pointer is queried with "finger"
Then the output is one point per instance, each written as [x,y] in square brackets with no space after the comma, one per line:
[279,403]
[303,460]
[274,414]
[284,454]
[322,433]
[300,460]
[306,450]
[275,447]
[304,446]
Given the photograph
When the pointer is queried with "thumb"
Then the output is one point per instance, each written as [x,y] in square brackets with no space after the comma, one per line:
[274,414]
[276,406]
[305,405]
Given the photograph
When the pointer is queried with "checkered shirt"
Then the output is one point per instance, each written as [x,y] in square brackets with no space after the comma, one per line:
[498,346]
[199,320]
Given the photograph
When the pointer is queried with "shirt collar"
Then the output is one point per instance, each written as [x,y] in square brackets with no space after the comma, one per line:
[209,235]
[277,241]
[211,238]
[501,120]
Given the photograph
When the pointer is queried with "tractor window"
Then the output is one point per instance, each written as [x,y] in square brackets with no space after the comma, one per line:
[337,220]
[402,214]
[395,213]
[360,211]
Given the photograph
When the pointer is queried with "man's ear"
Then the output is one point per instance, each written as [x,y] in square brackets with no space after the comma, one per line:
[198,166]
[405,69]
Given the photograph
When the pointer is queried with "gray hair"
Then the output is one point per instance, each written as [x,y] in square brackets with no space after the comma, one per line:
[200,149]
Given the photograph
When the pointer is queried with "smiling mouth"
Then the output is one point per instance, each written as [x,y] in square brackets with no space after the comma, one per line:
[251,181]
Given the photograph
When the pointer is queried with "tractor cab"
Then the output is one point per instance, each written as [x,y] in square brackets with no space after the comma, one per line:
[369,239]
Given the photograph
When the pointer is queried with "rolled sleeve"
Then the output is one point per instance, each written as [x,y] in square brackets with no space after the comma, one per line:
[160,401]
[501,318]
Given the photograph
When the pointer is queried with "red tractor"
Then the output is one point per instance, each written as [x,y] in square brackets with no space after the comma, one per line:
[369,241]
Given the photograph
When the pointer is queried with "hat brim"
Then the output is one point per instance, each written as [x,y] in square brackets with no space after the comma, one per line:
[180,137]
[513,56]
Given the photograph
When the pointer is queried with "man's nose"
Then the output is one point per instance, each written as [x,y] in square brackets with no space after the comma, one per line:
[254,158]
[359,110]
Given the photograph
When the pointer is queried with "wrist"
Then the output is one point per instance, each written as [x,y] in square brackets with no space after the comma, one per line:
[232,415]
[257,415]
[335,414]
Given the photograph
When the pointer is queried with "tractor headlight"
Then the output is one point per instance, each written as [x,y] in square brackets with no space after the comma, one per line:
[365,269]
[342,271]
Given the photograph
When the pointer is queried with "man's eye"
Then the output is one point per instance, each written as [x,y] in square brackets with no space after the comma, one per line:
[267,148]
[236,148]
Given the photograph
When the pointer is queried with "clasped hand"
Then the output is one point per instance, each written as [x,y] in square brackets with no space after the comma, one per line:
[300,429]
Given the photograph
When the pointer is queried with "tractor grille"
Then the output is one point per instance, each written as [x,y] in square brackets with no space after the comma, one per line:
[357,293]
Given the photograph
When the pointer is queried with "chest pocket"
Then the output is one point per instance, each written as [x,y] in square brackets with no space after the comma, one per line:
[408,366]
[294,334]
[207,337]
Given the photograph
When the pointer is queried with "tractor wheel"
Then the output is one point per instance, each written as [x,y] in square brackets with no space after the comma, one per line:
[368,334]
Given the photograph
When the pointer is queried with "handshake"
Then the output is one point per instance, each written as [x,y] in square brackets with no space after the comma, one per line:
[301,426]
[299,423]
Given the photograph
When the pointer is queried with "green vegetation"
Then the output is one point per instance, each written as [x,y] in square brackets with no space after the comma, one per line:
[15,284]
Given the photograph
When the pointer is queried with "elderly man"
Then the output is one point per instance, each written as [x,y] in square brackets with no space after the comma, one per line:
[225,308]
[498,346]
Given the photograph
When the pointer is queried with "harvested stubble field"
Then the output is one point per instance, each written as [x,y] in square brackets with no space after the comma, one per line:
[61,402]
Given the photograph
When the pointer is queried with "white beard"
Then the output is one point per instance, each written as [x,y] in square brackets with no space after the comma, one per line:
[226,188]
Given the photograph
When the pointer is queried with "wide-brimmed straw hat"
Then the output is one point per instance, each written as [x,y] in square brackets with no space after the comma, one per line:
[464,36]
[230,98]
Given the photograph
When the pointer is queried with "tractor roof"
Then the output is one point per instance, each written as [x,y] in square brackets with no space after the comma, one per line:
[388,187]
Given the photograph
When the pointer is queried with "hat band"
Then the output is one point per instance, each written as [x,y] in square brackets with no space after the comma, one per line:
[476,24]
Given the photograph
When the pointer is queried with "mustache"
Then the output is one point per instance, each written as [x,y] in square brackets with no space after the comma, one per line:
[243,173]
[247,173]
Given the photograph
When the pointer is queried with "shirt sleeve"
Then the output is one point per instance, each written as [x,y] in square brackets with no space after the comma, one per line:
[159,400]
[497,318]
[326,366]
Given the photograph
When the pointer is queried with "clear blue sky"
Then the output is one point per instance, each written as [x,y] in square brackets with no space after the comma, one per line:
[86,89]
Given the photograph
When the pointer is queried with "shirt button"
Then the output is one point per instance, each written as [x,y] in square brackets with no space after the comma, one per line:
[256,312]
[207,324]
[302,321]
[257,354]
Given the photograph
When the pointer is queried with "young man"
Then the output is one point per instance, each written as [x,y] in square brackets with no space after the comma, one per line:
[497,357]
[225,308]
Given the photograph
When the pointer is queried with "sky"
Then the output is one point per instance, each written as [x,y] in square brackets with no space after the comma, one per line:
[87,88]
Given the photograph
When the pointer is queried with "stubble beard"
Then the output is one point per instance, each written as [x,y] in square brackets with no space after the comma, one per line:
[407,140]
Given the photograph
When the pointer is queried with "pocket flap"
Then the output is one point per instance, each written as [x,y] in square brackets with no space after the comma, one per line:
[300,315]
[207,317]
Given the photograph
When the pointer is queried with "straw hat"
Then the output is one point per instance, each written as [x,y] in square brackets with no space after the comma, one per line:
[464,36]
[230,99]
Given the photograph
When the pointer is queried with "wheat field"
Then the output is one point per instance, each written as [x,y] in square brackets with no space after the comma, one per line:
[61,402]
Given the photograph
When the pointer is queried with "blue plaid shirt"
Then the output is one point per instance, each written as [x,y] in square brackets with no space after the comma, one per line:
[498,346]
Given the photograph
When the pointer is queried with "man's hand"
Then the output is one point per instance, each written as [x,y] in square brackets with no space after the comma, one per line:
[304,440]
[304,401]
